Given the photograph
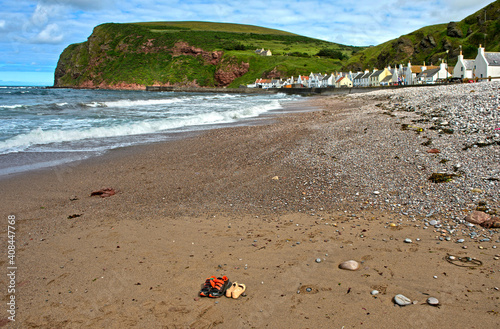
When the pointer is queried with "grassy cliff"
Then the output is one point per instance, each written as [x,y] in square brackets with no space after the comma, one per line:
[190,54]
[429,44]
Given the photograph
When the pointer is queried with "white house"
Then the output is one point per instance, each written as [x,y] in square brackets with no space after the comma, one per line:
[263,52]
[328,81]
[487,64]
[464,67]
[303,80]
[315,80]
[365,79]
[264,83]
[430,75]
[358,80]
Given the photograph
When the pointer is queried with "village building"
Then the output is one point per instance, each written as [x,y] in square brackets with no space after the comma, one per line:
[315,80]
[263,52]
[487,64]
[343,82]
[431,75]
[328,81]
[378,76]
[303,80]
[365,79]
[464,69]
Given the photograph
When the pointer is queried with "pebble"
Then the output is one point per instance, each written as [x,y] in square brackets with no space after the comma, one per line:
[318,260]
[308,289]
[374,292]
[402,300]
[350,265]
[433,301]
[460,241]
[408,240]
[433,222]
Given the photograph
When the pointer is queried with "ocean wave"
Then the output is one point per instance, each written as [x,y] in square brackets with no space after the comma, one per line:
[16,106]
[132,103]
[39,136]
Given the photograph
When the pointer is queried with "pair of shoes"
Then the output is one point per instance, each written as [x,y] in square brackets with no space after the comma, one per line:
[215,287]
[236,290]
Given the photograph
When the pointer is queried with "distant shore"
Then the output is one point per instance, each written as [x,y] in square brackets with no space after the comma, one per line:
[277,206]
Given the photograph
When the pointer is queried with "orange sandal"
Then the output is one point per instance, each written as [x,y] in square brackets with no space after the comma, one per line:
[205,290]
[219,287]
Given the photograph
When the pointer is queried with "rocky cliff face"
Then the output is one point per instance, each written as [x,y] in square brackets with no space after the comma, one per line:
[114,58]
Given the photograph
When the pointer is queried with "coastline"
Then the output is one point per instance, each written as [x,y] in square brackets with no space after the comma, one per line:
[259,204]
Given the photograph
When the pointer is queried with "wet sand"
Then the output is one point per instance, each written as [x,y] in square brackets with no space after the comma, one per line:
[258,204]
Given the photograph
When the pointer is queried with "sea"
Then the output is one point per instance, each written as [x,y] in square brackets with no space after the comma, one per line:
[44,127]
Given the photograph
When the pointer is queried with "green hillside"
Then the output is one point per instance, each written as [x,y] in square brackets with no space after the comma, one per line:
[429,44]
[191,54]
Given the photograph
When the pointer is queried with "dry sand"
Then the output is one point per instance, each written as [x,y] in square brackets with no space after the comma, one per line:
[251,203]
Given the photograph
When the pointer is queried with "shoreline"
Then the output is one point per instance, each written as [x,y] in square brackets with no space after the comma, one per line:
[259,204]
[42,160]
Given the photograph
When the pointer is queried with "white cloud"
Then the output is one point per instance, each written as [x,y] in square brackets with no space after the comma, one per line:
[50,34]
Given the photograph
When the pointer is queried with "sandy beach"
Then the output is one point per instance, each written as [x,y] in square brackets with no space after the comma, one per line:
[276,206]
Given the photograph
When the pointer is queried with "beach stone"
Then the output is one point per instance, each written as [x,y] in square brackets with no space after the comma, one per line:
[408,241]
[460,241]
[318,260]
[433,301]
[477,217]
[374,292]
[402,300]
[350,265]
[433,222]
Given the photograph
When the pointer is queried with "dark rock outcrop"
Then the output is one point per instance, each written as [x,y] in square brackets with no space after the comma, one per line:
[454,31]
[428,42]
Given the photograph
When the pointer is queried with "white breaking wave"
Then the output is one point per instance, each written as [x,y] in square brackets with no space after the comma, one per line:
[131,103]
[11,106]
[41,137]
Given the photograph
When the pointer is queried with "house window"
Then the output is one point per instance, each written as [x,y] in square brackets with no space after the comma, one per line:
[462,69]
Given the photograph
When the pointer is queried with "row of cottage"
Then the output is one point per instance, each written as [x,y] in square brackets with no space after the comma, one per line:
[485,65]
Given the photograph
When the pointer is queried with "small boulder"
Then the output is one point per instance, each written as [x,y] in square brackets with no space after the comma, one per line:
[477,217]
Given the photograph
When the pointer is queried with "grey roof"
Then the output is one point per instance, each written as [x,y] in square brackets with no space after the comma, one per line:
[387,78]
[366,75]
[357,75]
[377,73]
[428,73]
[493,58]
[469,64]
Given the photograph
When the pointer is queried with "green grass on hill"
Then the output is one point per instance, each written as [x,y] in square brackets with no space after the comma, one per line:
[211,26]
[117,53]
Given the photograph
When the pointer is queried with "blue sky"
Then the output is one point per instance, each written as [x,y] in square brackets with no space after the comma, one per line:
[34,33]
